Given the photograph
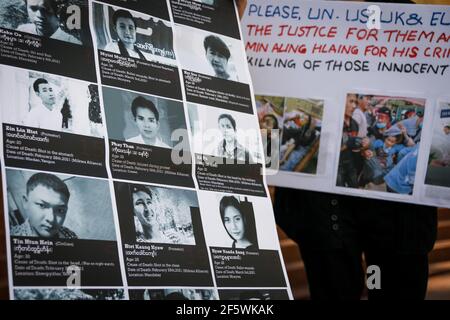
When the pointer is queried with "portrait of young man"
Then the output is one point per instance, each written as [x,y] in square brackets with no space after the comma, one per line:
[146,118]
[46,114]
[45,205]
[44,21]
[218,55]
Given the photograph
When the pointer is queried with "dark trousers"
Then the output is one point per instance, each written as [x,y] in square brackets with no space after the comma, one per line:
[335,232]
[339,275]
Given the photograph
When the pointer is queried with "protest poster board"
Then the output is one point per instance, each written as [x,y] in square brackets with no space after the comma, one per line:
[107,195]
[360,93]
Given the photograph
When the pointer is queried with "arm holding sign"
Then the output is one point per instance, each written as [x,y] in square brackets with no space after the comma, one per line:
[333,231]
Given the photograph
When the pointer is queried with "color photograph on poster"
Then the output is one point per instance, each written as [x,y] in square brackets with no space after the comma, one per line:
[133,34]
[302,120]
[438,171]
[380,143]
[174,294]
[270,106]
[270,116]
[142,119]
[299,123]
[44,101]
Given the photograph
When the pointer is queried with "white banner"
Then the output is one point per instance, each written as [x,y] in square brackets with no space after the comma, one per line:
[361,93]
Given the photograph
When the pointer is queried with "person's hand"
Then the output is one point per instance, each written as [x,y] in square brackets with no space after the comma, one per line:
[241,4]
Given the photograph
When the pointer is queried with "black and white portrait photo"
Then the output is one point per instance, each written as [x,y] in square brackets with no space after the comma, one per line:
[237,221]
[438,171]
[44,101]
[230,221]
[211,54]
[142,119]
[173,294]
[47,205]
[225,134]
[133,34]
[68,294]
[63,20]
[158,215]
[381,138]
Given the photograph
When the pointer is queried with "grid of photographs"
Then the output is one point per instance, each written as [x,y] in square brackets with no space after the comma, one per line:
[104,190]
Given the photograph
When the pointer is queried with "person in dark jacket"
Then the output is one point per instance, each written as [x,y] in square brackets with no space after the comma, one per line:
[335,232]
